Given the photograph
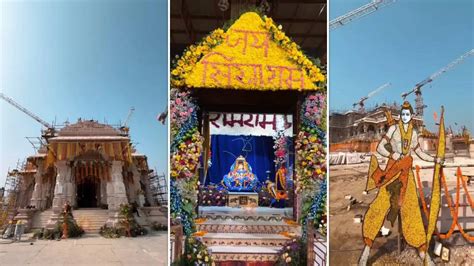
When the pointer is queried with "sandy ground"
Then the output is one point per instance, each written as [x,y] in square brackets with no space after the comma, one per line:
[87,250]
[346,242]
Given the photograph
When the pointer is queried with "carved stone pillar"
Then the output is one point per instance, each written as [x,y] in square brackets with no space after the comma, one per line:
[116,193]
[63,190]
[37,199]
[136,185]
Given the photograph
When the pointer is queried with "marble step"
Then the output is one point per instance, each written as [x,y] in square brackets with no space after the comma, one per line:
[242,239]
[233,226]
[245,214]
[242,253]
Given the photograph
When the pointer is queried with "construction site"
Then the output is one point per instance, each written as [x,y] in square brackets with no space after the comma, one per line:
[354,136]
[92,166]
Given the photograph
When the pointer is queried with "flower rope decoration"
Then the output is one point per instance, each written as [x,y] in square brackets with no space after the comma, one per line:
[311,143]
[196,252]
[281,148]
[311,162]
[317,214]
[186,145]
[181,209]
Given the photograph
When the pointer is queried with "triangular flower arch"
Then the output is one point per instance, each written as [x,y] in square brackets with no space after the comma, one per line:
[253,54]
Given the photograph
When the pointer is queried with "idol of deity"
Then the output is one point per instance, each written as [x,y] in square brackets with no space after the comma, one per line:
[240,176]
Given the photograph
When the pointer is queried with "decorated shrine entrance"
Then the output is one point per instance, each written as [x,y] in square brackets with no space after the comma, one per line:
[248,144]
[249,152]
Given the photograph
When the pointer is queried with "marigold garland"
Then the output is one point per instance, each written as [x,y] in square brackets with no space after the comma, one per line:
[183,67]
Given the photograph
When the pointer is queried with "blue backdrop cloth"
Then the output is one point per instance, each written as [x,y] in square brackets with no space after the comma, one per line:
[257,150]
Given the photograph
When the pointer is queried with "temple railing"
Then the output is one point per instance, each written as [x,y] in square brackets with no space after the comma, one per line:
[316,247]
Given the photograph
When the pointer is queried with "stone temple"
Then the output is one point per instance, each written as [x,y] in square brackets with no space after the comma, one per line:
[92,166]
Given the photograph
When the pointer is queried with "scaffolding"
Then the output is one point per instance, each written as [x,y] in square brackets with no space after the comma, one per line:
[10,193]
[159,188]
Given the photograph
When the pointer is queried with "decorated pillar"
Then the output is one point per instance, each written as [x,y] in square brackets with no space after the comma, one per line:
[116,193]
[37,199]
[63,191]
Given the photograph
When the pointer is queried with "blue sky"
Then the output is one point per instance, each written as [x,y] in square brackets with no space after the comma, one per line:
[404,43]
[90,59]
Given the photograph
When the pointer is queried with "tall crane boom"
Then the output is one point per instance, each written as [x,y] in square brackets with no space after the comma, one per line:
[363,99]
[26,111]
[130,113]
[362,11]
[417,89]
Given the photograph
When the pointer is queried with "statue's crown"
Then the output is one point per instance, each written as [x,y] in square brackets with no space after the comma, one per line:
[406,105]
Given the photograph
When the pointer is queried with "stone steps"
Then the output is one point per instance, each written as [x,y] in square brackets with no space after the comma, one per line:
[40,219]
[91,220]
[257,236]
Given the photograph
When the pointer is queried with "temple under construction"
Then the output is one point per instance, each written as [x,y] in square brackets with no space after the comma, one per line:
[90,165]
[360,131]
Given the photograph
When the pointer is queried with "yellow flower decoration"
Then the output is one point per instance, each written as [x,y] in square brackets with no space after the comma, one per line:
[227,60]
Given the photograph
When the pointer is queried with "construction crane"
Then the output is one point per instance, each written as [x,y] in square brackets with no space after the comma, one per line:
[124,128]
[49,129]
[363,99]
[130,113]
[362,11]
[417,89]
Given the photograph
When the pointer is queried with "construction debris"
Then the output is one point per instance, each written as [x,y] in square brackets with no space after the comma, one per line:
[358,219]
[385,231]
[437,248]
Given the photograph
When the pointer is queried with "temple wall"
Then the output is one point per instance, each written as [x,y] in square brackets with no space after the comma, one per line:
[354,146]
[147,193]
